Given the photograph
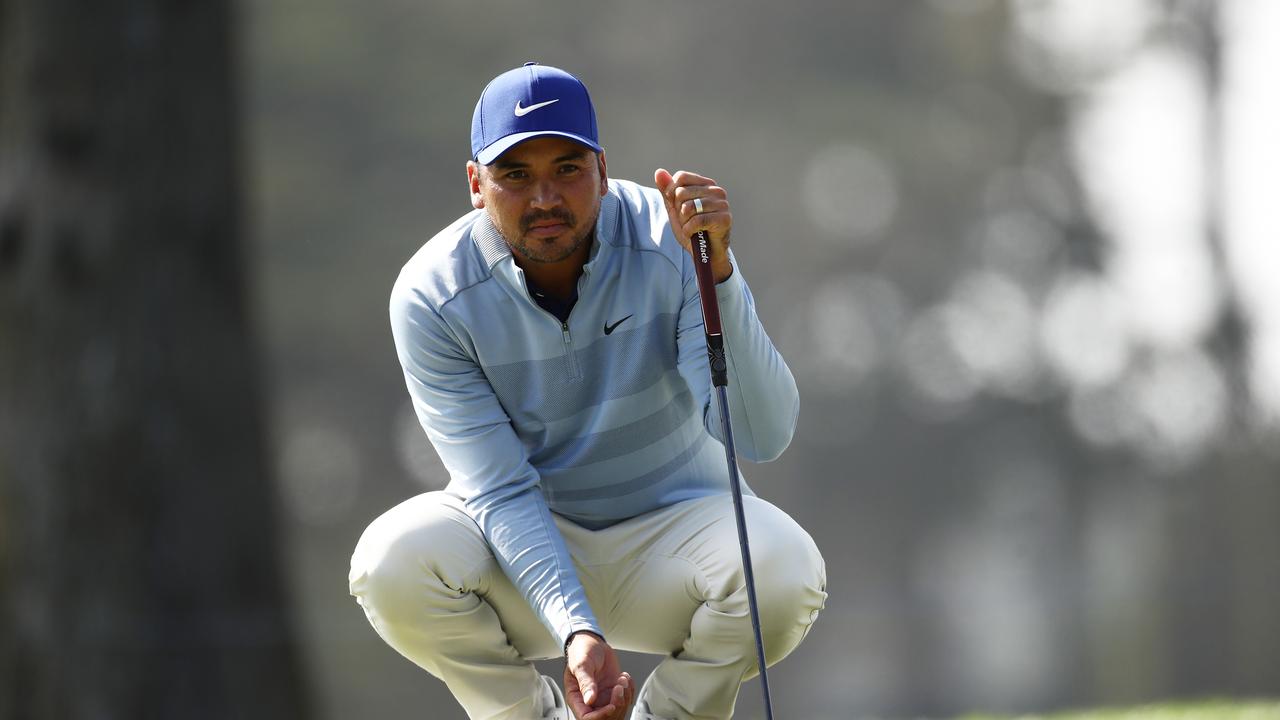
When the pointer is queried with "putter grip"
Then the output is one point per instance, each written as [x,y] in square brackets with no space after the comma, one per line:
[700,246]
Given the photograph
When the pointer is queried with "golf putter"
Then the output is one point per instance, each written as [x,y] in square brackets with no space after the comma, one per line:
[701,249]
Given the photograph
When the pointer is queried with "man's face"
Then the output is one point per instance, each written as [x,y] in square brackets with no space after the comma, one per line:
[543,195]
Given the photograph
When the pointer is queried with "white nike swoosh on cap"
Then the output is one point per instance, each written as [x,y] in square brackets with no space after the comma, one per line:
[522,111]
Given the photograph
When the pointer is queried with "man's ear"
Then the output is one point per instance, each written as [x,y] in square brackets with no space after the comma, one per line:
[473,184]
[604,174]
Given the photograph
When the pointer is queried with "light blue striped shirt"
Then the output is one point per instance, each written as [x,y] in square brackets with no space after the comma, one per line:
[599,419]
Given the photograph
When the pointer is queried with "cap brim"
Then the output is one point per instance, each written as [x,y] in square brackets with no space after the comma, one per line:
[501,145]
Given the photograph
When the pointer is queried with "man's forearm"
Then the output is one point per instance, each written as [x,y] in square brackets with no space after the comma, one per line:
[765,402]
[530,550]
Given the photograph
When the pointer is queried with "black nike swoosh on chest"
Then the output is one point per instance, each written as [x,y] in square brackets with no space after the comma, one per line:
[609,328]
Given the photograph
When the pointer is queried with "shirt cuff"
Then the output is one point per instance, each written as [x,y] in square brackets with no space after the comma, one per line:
[730,291]
[564,645]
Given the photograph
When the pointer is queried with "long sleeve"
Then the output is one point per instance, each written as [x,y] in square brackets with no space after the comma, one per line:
[488,465]
[764,402]
[597,420]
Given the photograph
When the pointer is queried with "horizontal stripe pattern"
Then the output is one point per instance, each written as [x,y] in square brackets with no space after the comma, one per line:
[539,392]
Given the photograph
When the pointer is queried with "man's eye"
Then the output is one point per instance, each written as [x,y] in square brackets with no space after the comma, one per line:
[569,169]
[517,175]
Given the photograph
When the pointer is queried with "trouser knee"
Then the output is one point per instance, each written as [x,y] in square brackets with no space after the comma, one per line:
[790,580]
[416,556]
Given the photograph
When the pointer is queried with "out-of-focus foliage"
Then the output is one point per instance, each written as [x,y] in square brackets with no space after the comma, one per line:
[991,238]
[139,566]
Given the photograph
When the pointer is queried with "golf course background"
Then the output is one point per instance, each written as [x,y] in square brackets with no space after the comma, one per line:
[1038,434]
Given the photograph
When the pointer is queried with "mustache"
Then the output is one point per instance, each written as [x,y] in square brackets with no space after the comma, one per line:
[557,214]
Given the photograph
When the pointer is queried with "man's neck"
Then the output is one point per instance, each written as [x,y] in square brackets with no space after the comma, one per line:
[558,279]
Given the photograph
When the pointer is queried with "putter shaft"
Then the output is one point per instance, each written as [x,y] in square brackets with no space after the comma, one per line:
[701,248]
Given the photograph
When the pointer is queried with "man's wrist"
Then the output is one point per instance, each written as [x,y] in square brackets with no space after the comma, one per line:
[569,640]
[722,274]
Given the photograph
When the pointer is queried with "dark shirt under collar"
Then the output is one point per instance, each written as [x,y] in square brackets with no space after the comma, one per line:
[555,306]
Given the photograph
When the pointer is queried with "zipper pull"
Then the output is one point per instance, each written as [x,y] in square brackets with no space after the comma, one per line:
[571,358]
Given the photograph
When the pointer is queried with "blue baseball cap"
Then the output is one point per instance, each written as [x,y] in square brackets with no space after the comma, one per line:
[528,102]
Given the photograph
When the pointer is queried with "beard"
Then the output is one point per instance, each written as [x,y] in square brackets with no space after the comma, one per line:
[550,250]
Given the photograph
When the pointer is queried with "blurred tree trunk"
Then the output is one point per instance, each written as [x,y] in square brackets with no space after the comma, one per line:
[138,559]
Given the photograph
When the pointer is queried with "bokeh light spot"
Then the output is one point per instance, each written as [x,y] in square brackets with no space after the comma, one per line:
[850,192]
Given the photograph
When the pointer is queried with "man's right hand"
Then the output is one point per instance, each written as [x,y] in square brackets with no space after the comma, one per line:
[594,685]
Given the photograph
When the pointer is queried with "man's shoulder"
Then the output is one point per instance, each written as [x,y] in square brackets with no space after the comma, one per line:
[634,194]
[643,223]
[444,266]
[642,205]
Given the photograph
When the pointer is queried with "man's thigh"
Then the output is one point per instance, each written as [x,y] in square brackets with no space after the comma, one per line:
[426,560]
[646,577]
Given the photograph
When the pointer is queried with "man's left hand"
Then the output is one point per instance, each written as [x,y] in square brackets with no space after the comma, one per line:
[594,685]
[683,193]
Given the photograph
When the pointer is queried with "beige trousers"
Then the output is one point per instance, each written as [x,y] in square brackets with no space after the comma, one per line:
[668,582]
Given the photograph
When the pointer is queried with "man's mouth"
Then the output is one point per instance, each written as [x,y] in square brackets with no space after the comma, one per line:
[547,227]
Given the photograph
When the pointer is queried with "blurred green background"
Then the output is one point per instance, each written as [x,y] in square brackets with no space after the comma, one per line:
[1020,255]
[1008,249]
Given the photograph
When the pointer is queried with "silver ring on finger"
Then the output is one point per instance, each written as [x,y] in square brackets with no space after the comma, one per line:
[697,206]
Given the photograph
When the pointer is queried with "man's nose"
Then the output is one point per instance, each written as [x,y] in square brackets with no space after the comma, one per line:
[545,195]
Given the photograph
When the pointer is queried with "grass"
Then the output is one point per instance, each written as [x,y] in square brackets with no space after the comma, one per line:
[1196,710]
